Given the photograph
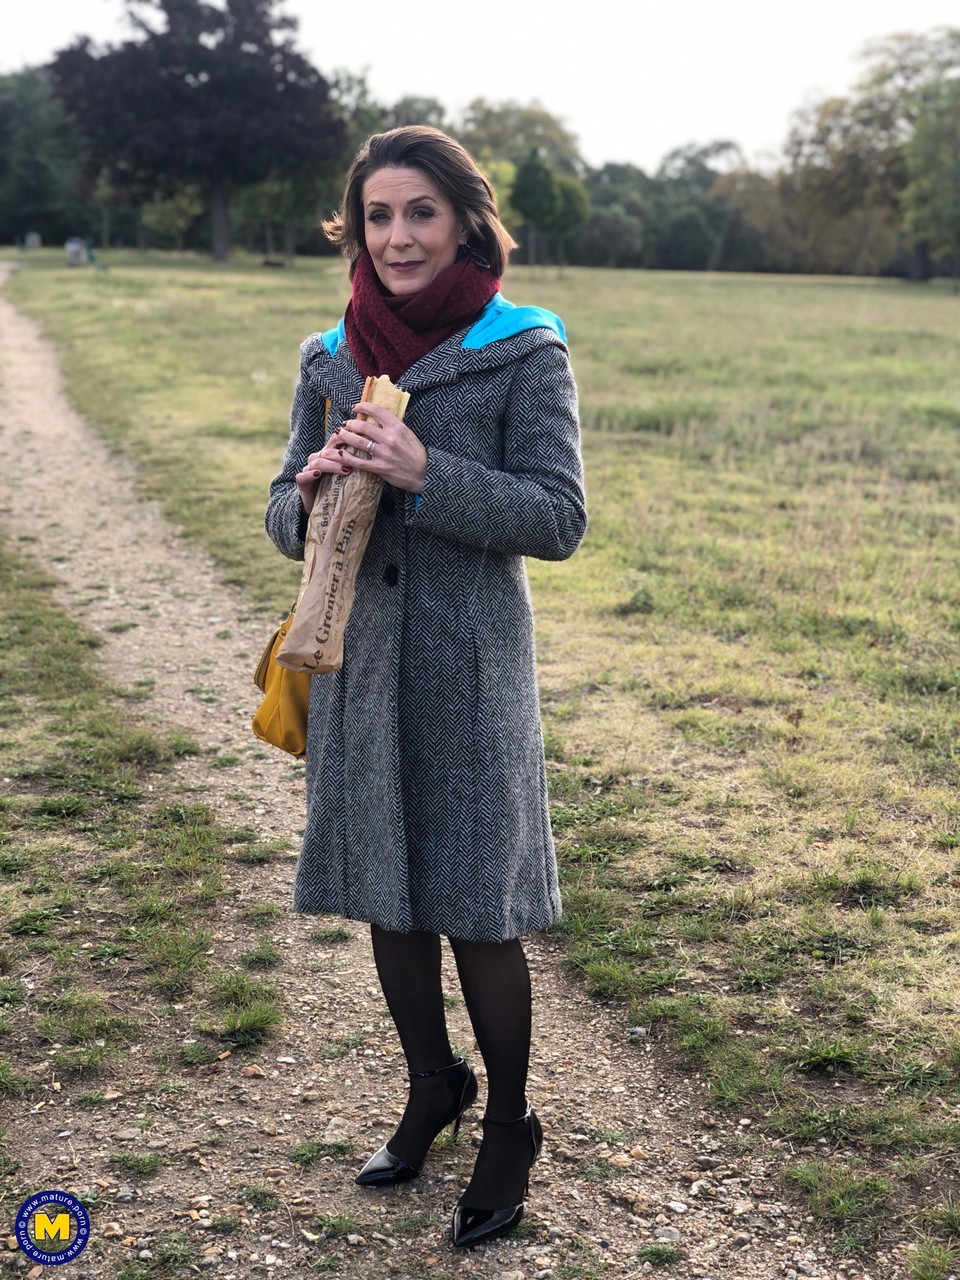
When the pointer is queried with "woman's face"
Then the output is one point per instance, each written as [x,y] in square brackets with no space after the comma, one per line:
[411,229]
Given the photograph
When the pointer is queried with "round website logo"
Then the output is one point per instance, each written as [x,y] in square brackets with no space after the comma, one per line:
[52,1227]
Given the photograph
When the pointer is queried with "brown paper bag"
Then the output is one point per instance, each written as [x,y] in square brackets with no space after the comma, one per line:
[338,531]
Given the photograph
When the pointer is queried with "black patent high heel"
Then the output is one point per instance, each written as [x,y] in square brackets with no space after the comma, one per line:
[475,1226]
[384,1169]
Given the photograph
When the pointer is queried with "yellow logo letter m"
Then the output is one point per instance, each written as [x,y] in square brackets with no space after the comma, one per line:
[44,1229]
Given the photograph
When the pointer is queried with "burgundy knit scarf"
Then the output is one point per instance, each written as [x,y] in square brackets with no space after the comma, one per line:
[387,334]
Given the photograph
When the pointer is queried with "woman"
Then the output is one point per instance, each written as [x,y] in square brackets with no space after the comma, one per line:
[426,793]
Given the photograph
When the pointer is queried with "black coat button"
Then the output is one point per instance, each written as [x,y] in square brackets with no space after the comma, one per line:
[391,575]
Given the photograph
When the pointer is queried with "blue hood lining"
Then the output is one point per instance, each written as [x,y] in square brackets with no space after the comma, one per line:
[498,319]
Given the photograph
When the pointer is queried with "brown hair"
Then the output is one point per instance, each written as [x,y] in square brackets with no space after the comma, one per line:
[450,168]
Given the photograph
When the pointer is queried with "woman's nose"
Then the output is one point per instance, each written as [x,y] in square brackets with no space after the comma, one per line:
[400,232]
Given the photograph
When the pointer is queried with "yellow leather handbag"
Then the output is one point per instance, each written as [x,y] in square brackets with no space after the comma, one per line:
[281,718]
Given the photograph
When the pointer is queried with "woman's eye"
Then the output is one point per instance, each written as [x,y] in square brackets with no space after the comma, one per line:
[423,213]
[376,217]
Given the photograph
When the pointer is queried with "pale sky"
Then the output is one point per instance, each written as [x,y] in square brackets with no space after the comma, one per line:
[630,81]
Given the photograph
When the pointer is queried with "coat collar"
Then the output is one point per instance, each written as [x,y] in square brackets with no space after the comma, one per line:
[500,335]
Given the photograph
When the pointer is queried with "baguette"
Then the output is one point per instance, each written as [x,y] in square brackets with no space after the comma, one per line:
[338,530]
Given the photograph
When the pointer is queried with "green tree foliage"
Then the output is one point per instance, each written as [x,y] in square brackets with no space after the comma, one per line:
[38,163]
[686,240]
[620,217]
[511,131]
[502,174]
[611,237]
[682,218]
[694,169]
[359,114]
[782,232]
[171,219]
[215,97]
[411,110]
[902,78]
[7,125]
[695,226]
[857,187]
[834,165]
[846,159]
[573,210]
[622,184]
[931,199]
[536,197]
[359,117]
[287,205]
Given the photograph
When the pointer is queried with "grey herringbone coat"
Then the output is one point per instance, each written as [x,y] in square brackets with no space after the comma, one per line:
[426,787]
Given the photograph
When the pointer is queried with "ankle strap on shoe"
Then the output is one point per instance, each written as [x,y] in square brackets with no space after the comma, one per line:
[504,1123]
[425,1075]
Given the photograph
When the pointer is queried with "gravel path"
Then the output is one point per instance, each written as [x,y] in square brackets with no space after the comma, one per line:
[633,1155]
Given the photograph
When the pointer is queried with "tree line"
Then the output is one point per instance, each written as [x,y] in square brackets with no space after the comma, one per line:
[209,127]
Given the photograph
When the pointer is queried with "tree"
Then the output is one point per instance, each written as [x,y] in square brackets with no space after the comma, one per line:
[903,76]
[8,126]
[510,131]
[855,145]
[612,237]
[931,199]
[290,204]
[764,222]
[172,218]
[411,110]
[359,117]
[694,167]
[502,174]
[848,155]
[38,162]
[831,164]
[694,225]
[624,185]
[215,97]
[573,210]
[536,197]
[686,241]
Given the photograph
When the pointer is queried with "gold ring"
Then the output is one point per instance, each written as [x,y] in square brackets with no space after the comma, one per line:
[371,445]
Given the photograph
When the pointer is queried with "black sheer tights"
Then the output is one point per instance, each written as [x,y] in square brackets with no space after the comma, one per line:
[495,983]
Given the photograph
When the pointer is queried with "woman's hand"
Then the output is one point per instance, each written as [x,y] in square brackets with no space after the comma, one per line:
[385,447]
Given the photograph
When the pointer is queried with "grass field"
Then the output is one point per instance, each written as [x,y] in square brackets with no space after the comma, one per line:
[750,671]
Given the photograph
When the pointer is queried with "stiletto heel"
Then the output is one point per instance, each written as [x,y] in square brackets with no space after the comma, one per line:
[384,1169]
[475,1226]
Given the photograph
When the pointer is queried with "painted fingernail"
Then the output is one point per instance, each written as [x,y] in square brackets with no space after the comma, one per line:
[335,430]
[318,474]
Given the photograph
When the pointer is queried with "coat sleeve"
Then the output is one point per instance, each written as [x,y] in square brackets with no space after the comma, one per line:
[535,506]
[286,520]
